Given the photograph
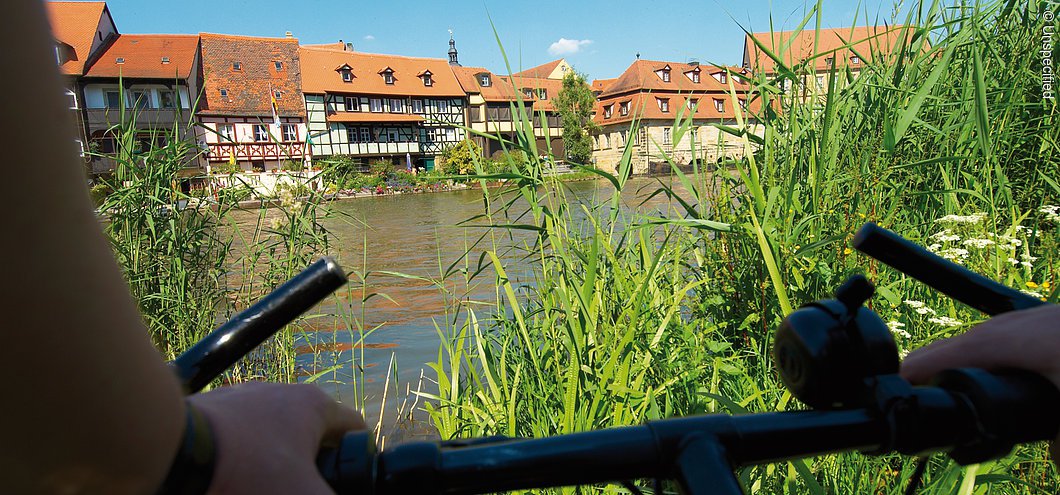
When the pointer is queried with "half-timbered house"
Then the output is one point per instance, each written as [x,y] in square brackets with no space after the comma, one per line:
[148,81]
[641,108]
[251,107]
[371,107]
[493,106]
[81,31]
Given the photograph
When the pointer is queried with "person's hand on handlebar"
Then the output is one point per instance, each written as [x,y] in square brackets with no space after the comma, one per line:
[268,435]
[1027,340]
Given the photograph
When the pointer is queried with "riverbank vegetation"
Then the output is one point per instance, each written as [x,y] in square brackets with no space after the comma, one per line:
[626,318]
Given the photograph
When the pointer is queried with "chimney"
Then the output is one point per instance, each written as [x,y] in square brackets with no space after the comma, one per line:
[289,34]
[693,63]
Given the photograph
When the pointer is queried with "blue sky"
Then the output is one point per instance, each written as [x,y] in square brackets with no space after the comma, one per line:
[600,38]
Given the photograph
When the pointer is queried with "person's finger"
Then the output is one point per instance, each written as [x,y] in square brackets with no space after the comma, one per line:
[1022,339]
[340,419]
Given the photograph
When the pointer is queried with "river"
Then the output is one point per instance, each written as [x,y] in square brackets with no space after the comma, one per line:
[416,235]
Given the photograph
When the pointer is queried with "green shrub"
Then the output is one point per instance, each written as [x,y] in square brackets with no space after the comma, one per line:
[460,159]
[381,168]
[99,193]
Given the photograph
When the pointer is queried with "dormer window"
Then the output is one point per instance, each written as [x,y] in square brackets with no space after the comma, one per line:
[388,75]
[426,76]
[119,60]
[528,93]
[608,110]
[693,74]
[855,60]
[721,77]
[743,103]
[224,94]
[623,108]
[237,66]
[276,94]
[829,62]
[484,80]
[664,73]
[542,94]
[664,104]
[692,103]
[719,105]
[347,76]
[278,65]
[165,60]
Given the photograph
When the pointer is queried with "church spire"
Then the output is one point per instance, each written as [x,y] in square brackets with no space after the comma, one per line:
[452,50]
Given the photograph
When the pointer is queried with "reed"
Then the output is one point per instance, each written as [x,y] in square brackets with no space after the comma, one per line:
[607,317]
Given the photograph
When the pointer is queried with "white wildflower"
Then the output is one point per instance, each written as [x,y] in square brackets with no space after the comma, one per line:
[945,321]
[903,353]
[978,243]
[1051,212]
[934,248]
[946,236]
[913,304]
[956,219]
[1033,293]
[1014,261]
[925,311]
[1011,241]
[896,328]
[954,254]
[275,223]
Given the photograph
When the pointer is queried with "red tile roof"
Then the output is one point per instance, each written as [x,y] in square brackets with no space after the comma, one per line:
[249,88]
[794,47]
[75,23]
[143,56]
[500,88]
[542,70]
[602,84]
[320,74]
[641,76]
[642,88]
[551,87]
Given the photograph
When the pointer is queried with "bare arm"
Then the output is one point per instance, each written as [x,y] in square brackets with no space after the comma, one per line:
[90,407]
[81,374]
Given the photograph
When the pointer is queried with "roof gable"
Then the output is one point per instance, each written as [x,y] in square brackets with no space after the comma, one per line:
[155,56]
[250,89]
[77,24]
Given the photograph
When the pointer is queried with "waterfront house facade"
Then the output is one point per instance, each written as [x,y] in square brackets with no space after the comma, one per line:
[815,55]
[81,31]
[493,106]
[372,107]
[641,108]
[251,110]
[145,81]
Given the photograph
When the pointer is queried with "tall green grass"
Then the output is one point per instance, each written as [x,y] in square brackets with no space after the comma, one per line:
[605,317]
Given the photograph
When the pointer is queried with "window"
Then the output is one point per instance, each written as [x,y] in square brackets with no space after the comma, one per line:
[484,80]
[59,54]
[380,136]
[224,94]
[290,133]
[258,165]
[695,76]
[353,104]
[167,100]
[829,62]
[119,60]
[392,135]
[278,65]
[721,77]
[351,133]
[277,94]
[820,81]
[855,60]
[165,60]
[388,76]
[347,75]
[73,99]
[621,139]
[623,108]
[743,103]
[261,132]
[667,136]
[664,104]
[237,66]
[226,133]
[427,81]
[642,137]
[542,94]
[397,106]
[529,93]
[366,135]
[443,106]
[141,99]
[719,105]
[417,106]
[664,74]
[694,133]
[113,98]
[692,103]
[607,111]
[376,105]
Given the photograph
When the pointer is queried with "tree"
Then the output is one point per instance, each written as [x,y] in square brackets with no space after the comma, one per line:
[460,159]
[575,104]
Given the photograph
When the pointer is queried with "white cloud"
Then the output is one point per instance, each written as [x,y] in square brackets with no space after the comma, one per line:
[369,38]
[567,47]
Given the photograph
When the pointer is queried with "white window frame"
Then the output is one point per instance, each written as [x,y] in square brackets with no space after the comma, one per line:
[623,108]
[226,133]
[668,138]
[289,132]
[72,95]
[388,77]
[608,111]
[664,104]
[347,75]
[261,133]
[376,105]
[143,103]
[691,103]
[855,60]
[721,77]
[366,135]
[542,94]
[719,105]
[427,80]
[442,106]
[484,80]
[417,106]
[397,105]
[352,103]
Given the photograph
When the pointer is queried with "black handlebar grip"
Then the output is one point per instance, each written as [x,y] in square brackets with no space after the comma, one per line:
[945,276]
[350,468]
[211,356]
[1011,407]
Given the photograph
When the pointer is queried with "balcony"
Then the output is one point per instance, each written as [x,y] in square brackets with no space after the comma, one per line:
[104,118]
[256,151]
